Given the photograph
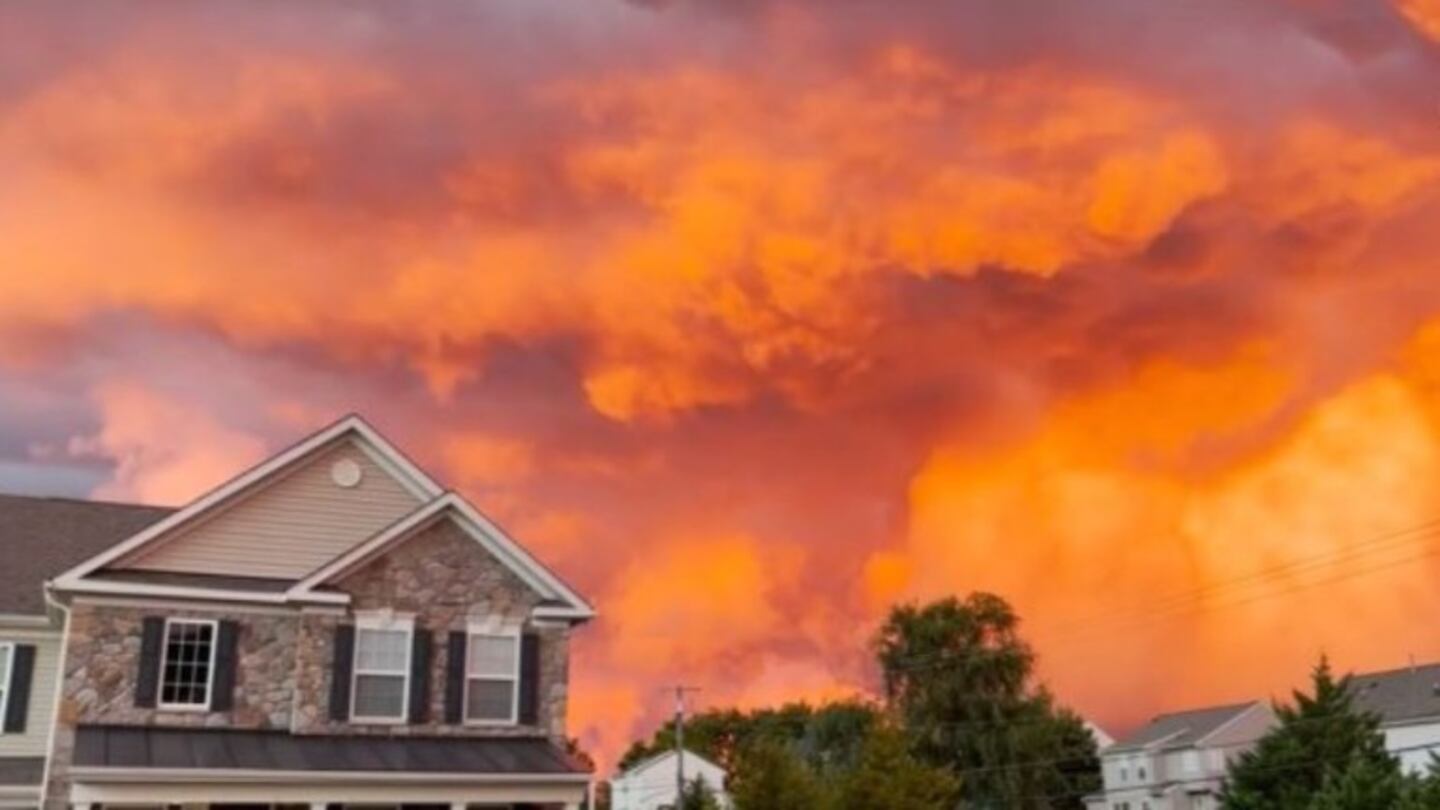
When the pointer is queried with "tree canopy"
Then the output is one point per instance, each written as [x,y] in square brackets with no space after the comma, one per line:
[961,680]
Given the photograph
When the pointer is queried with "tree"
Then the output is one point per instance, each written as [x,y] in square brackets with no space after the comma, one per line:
[1365,784]
[887,776]
[698,796]
[826,736]
[1322,743]
[961,680]
[771,775]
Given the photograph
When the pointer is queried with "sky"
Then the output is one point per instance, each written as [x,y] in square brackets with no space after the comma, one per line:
[756,317]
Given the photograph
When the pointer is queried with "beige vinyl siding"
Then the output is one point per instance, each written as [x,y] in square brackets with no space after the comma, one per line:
[290,527]
[33,741]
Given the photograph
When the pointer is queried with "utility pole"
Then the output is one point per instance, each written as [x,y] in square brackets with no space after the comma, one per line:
[680,692]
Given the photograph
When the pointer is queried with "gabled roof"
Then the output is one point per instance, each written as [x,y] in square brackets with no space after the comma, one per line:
[42,537]
[1181,729]
[95,574]
[561,601]
[394,460]
[662,758]
[1399,695]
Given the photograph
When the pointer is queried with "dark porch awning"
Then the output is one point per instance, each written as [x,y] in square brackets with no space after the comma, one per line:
[136,747]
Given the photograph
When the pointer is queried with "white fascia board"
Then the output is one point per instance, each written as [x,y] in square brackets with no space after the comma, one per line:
[492,535]
[142,590]
[483,530]
[276,463]
[228,775]
[25,620]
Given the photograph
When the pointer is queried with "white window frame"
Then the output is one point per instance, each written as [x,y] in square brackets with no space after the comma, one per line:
[160,701]
[6,678]
[512,632]
[390,623]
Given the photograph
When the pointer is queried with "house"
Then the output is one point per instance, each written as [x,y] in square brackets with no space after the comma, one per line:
[1102,739]
[1407,702]
[1178,761]
[651,784]
[330,628]
[39,539]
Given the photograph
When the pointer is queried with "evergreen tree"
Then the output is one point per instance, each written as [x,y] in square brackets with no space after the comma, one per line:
[698,796]
[1321,743]
[1365,784]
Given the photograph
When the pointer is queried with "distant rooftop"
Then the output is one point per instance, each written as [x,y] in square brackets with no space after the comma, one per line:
[1181,729]
[1399,695]
[41,538]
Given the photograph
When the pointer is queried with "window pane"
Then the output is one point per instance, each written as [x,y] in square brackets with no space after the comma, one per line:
[382,651]
[185,679]
[379,696]
[4,666]
[489,700]
[493,655]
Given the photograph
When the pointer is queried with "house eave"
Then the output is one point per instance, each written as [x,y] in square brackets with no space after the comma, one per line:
[107,775]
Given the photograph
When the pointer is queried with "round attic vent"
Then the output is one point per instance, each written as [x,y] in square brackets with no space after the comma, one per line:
[346,473]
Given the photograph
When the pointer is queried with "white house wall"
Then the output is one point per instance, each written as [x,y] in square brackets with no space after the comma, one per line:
[290,527]
[652,787]
[1413,744]
[34,741]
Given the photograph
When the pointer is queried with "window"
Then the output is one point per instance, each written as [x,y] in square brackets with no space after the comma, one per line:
[382,670]
[187,667]
[7,655]
[492,675]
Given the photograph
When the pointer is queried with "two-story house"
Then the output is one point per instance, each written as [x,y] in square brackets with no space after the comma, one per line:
[328,629]
[1178,761]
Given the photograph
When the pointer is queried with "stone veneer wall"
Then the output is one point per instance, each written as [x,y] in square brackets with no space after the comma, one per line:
[283,675]
[102,660]
[444,578]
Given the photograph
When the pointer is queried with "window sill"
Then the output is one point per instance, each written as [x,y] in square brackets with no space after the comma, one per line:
[377,721]
[182,709]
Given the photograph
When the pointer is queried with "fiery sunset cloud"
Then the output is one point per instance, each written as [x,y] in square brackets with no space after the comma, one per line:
[755,317]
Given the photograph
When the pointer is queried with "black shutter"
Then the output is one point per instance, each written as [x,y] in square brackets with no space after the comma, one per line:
[226,641]
[340,669]
[420,676]
[530,679]
[455,679]
[147,680]
[22,674]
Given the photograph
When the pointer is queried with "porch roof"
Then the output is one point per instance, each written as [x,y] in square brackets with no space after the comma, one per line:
[176,749]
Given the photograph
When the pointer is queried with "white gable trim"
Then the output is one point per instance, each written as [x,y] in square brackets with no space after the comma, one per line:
[411,476]
[1228,723]
[484,531]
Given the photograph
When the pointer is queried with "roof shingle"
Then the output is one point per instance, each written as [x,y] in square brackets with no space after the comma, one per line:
[248,750]
[41,538]
[1400,694]
[1180,729]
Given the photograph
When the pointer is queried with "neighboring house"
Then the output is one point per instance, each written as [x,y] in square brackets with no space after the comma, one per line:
[1098,734]
[1408,704]
[328,629]
[39,539]
[1178,761]
[651,784]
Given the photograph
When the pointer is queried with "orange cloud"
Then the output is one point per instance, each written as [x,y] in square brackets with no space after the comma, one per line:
[1423,14]
[164,450]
